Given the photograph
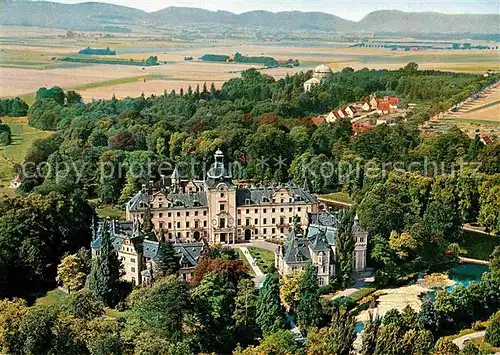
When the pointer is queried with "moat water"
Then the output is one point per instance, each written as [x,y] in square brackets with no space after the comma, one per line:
[462,274]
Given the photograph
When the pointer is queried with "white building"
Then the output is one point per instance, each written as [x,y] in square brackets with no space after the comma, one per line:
[319,73]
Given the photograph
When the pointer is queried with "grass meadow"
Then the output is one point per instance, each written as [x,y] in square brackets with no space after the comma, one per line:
[23,137]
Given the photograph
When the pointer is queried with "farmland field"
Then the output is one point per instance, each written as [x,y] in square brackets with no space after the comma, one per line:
[30,59]
[477,116]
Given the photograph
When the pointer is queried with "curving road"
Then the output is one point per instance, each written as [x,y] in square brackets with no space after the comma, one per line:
[460,342]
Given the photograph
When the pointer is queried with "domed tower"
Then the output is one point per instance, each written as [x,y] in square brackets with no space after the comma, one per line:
[322,71]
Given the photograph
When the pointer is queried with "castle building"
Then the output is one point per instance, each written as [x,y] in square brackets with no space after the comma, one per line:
[215,210]
[317,245]
[139,252]
[319,73]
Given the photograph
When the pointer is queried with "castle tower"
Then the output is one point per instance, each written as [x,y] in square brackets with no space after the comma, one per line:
[221,195]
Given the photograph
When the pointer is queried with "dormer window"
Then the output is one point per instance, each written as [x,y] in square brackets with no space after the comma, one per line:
[247,201]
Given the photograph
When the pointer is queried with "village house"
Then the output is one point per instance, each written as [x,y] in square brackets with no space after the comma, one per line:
[383,106]
[317,246]
[346,112]
[139,252]
[215,210]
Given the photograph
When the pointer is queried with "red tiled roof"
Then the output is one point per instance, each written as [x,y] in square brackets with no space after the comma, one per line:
[487,139]
[383,106]
[393,101]
[360,127]
[317,120]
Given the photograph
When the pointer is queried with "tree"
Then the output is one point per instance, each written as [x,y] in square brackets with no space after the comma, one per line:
[233,270]
[493,331]
[214,305]
[278,343]
[389,340]
[424,343]
[345,243]
[12,314]
[35,232]
[36,330]
[309,309]
[71,273]
[147,221]
[169,262]
[470,349]
[341,336]
[443,219]
[270,312]
[104,278]
[410,318]
[370,334]
[5,134]
[244,314]
[411,67]
[102,337]
[290,290]
[164,308]
[337,339]
[85,306]
[495,263]
[430,317]
[445,347]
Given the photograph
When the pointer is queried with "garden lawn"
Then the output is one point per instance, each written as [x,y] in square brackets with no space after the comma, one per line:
[245,261]
[54,297]
[479,245]
[263,258]
[23,137]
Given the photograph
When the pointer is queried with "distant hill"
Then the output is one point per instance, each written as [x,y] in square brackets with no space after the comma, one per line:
[95,16]
[428,22]
[90,16]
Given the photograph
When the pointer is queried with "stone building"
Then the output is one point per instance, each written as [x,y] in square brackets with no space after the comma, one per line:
[215,210]
[139,252]
[319,73]
[317,245]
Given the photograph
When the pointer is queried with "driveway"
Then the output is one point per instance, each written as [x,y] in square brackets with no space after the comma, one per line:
[460,342]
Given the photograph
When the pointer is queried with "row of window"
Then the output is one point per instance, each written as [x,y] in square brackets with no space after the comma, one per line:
[264,221]
[273,210]
[178,213]
[169,225]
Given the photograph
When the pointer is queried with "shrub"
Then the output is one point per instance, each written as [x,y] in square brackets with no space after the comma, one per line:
[493,331]
[5,138]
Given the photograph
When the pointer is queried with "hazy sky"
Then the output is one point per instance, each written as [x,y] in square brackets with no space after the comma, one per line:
[352,10]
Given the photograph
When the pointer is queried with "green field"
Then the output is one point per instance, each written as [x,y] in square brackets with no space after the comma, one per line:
[263,258]
[245,261]
[23,137]
[342,197]
[54,297]
[479,245]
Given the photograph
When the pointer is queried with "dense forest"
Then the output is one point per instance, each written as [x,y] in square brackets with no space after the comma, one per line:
[13,107]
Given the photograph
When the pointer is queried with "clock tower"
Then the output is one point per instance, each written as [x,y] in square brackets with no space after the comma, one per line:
[221,195]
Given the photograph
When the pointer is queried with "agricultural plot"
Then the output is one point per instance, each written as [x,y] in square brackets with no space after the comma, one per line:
[30,59]
[477,116]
